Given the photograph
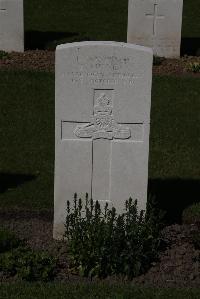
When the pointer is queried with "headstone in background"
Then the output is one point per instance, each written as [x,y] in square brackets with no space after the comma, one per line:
[156,24]
[103,98]
[11,25]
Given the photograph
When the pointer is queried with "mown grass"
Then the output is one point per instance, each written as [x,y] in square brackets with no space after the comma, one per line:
[91,291]
[175,128]
[89,19]
[27,135]
[94,19]
[27,138]
[191,18]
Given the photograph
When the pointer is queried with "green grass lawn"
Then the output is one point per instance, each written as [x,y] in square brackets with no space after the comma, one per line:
[94,19]
[91,291]
[175,128]
[27,136]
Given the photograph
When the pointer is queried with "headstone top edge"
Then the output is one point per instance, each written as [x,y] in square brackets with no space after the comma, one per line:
[7,1]
[104,43]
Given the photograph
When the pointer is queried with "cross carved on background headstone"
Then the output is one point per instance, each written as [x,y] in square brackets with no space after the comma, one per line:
[155,17]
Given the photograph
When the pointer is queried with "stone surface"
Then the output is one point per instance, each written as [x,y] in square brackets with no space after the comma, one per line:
[156,24]
[11,25]
[103,98]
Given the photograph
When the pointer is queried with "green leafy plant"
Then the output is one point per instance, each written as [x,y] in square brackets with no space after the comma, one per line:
[191,214]
[4,55]
[8,240]
[194,67]
[103,243]
[28,265]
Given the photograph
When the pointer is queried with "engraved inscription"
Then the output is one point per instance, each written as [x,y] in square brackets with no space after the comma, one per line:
[111,63]
[110,78]
[103,70]
[103,124]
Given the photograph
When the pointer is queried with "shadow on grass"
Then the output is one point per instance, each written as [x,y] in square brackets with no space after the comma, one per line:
[190,46]
[174,195]
[11,181]
[49,40]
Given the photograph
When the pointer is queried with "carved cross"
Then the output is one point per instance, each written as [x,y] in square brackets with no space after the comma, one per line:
[155,17]
[102,132]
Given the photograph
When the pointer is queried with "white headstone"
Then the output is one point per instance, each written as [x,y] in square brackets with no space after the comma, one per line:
[103,98]
[156,24]
[11,25]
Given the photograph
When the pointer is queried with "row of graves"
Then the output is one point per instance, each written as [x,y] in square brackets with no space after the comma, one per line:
[151,23]
[103,100]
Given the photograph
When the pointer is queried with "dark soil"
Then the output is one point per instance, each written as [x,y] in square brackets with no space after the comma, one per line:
[29,60]
[45,61]
[178,265]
